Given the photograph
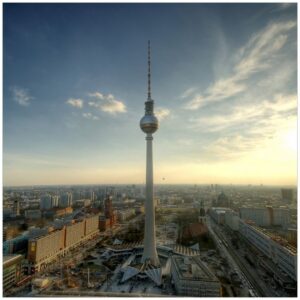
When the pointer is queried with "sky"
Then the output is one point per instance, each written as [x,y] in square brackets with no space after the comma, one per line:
[224,82]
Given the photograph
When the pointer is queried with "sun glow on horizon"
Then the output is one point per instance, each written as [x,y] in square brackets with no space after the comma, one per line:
[290,139]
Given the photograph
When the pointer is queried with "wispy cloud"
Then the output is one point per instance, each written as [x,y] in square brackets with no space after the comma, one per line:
[162,113]
[257,55]
[90,116]
[230,147]
[251,114]
[21,96]
[188,92]
[248,127]
[97,95]
[286,5]
[75,102]
[107,103]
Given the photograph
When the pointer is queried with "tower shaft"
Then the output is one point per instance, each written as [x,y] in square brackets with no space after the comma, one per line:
[149,124]
[150,252]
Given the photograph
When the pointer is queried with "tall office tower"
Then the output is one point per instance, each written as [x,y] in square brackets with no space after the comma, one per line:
[287,195]
[55,200]
[46,202]
[108,207]
[149,124]
[108,210]
[16,207]
[66,200]
[202,217]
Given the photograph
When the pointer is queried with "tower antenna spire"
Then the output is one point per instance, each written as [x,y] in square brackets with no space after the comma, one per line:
[149,71]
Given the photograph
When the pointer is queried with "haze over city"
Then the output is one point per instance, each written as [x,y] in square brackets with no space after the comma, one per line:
[224,84]
[150,150]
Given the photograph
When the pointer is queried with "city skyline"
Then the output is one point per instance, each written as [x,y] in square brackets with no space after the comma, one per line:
[75,83]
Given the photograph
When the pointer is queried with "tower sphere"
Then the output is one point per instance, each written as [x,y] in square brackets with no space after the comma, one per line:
[149,123]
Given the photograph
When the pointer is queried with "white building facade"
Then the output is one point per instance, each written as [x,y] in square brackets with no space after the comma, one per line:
[279,251]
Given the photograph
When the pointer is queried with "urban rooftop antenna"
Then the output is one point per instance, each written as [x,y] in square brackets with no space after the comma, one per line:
[149,71]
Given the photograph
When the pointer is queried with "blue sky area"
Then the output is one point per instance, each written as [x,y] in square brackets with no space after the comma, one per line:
[224,81]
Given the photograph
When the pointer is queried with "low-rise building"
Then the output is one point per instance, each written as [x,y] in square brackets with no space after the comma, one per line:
[63,211]
[291,236]
[193,278]
[232,220]
[33,214]
[123,215]
[218,214]
[83,202]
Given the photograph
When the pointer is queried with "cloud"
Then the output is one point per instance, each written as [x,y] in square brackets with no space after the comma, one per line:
[21,96]
[107,103]
[90,116]
[188,92]
[251,114]
[97,95]
[230,147]
[161,113]
[75,102]
[257,55]
[248,127]
[286,5]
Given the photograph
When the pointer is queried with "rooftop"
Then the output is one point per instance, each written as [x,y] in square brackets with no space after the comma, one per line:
[282,242]
[8,259]
[192,268]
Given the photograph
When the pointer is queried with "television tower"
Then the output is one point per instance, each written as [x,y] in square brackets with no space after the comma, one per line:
[149,124]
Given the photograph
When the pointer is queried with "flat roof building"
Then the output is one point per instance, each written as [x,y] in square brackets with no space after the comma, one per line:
[193,278]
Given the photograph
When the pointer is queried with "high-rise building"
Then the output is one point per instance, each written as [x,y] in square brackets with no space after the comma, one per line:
[55,201]
[287,195]
[66,200]
[16,208]
[108,210]
[46,202]
[149,124]
[202,217]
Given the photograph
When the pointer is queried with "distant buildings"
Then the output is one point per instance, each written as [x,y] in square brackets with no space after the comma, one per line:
[109,214]
[83,202]
[287,195]
[218,214]
[33,214]
[221,201]
[16,208]
[109,218]
[66,200]
[46,202]
[123,215]
[202,214]
[193,279]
